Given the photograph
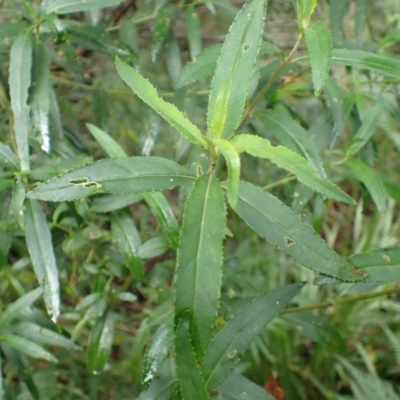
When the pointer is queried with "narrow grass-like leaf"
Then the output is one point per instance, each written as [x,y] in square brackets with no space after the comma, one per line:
[203,66]
[239,387]
[39,334]
[17,306]
[71,6]
[118,176]
[193,28]
[27,347]
[232,340]
[292,135]
[100,342]
[20,81]
[40,94]
[125,234]
[162,211]
[317,329]
[190,378]
[319,46]
[156,353]
[160,389]
[199,260]
[292,162]
[233,162]
[161,28]
[107,143]
[366,130]
[277,223]
[8,157]
[144,90]
[364,60]
[370,178]
[235,68]
[38,240]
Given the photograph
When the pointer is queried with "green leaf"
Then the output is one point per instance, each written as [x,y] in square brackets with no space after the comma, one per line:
[17,306]
[125,235]
[20,81]
[203,66]
[233,162]
[17,202]
[153,248]
[319,46]
[235,68]
[160,389]
[199,260]
[156,353]
[145,91]
[292,135]
[161,28]
[8,157]
[193,28]
[317,329]
[162,211]
[364,60]
[232,340]
[38,240]
[100,343]
[39,334]
[381,265]
[338,9]
[107,143]
[190,378]
[277,223]
[239,387]
[370,178]
[118,176]
[111,202]
[27,347]
[40,94]
[366,130]
[285,158]
[71,6]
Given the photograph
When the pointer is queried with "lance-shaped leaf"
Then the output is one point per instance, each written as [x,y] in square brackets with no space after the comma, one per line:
[162,211]
[125,234]
[203,66]
[20,81]
[190,378]
[38,240]
[364,60]
[292,135]
[235,69]
[319,46]
[161,28]
[156,353]
[118,176]
[366,130]
[160,389]
[372,181]
[27,347]
[40,96]
[146,91]
[247,390]
[8,157]
[107,143]
[17,306]
[277,223]
[381,265]
[233,162]
[199,260]
[193,28]
[317,329]
[232,340]
[287,159]
[71,6]
[100,342]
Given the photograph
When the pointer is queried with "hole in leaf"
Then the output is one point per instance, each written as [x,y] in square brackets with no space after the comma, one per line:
[289,241]
[79,181]
[232,353]
[245,48]
[386,258]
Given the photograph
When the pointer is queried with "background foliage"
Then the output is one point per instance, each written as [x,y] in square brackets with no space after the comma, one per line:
[100,326]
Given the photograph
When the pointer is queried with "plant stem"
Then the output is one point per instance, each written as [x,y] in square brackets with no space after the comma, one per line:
[282,181]
[249,111]
[351,299]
